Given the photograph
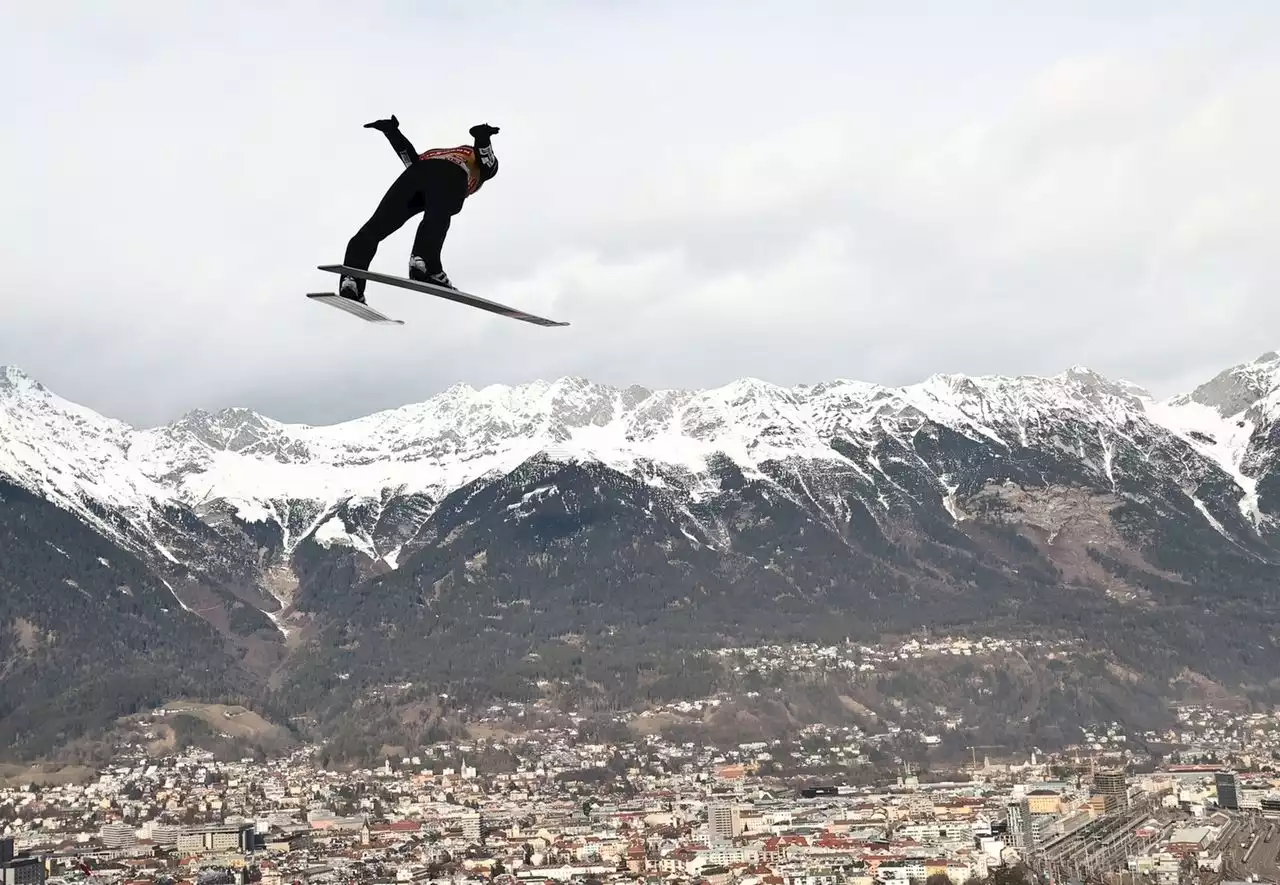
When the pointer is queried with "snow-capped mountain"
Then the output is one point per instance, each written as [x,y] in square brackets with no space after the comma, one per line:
[292,478]
[70,454]
[381,548]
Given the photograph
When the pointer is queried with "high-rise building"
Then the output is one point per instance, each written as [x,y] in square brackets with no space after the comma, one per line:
[1021,834]
[723,823]
[162,834]
[1114,788]
[471,825]
[216,838]
[1228,789]
[18,869]
[117,834]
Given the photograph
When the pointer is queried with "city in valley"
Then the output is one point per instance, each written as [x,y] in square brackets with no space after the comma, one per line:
[553,805]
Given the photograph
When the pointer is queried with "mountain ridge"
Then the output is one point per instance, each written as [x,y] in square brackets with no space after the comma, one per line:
[654,518]
[468,432]
[251,466]
[533,397]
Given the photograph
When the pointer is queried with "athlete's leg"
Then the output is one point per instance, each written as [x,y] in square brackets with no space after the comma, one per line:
[402,201]
[445,189]
[428,242]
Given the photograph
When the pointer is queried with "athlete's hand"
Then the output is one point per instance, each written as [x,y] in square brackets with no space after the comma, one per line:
[483,130]
[384,125]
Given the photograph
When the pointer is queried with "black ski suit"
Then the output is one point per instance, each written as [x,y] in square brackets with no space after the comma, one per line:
[435,183]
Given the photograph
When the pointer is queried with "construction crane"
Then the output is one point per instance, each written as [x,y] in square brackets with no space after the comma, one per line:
[976,747]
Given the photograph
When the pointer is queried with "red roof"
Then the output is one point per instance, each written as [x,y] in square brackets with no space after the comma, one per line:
[397,826]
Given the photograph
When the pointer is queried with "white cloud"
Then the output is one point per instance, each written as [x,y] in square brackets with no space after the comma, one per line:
[704,190]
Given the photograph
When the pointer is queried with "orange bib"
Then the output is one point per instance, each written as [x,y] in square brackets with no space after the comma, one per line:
[462,155]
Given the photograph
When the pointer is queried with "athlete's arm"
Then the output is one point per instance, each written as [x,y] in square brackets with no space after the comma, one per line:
[483,134]
[399,143]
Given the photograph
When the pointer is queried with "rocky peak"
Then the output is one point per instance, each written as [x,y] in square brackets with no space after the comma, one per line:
[232,430]
[14,381]
[1235,390]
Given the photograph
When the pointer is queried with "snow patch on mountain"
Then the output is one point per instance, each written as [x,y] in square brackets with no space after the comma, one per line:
[332,531]
[185,607]
[392,558]
[1220,420]
[250,511]
[1224,441]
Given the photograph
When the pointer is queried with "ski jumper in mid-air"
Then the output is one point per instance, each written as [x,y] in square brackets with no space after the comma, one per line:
[435,183]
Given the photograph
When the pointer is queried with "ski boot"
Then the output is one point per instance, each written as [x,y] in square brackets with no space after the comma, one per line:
[352,288]
[418,273]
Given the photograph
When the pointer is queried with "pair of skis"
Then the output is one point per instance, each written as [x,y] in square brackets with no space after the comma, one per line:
[365,312]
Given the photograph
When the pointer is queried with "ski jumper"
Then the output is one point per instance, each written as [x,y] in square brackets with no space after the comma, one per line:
[435,183]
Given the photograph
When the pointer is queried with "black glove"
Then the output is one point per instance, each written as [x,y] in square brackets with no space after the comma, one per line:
[483,130]
[384,125]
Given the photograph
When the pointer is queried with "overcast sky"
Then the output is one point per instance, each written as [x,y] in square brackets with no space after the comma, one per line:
[796,191]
